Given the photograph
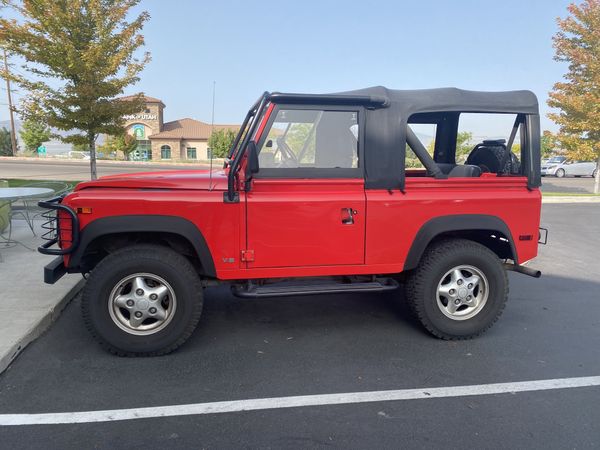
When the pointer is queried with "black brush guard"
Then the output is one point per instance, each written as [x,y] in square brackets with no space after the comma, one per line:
[52,227]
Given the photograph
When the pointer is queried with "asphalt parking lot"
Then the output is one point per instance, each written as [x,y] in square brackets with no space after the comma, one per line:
[246,349]
[573,185]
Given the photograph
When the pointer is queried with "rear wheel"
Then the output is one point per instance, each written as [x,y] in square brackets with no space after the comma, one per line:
[143,300]
[459,289]
[594,173]
[560,173]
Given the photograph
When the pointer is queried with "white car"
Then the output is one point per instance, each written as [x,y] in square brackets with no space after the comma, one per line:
[569,168]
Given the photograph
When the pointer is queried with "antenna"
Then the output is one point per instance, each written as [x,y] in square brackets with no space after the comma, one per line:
[212,127]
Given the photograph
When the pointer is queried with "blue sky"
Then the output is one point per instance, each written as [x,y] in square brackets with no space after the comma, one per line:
[328,46]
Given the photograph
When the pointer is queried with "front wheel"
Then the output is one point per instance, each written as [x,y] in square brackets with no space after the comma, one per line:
[560,173]
[458,290]
[143,300]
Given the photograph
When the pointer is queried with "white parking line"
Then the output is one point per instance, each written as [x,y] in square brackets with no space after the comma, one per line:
[294,402]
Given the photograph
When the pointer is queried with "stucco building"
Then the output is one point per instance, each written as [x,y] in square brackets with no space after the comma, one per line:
[178,139]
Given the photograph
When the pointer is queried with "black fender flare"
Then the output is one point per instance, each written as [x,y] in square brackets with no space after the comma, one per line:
[456,222]
[145,223]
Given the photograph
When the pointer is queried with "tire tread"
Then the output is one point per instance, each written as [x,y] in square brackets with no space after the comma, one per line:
[143,251]
[417,280]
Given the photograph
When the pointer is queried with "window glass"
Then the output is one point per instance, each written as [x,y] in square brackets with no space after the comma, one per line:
[312,139]
[165,152]
[191,152]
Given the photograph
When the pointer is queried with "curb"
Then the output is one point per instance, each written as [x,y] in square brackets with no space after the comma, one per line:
[8,355]
[568,199]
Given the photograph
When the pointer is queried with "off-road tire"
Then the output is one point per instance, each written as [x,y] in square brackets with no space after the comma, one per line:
[155,259]
[560,173]
[421,288]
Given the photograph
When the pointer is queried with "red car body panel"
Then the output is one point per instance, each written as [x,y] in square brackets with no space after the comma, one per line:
[299,223]
[294,228]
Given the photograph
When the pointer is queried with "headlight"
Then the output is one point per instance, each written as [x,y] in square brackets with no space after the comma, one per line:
[550,167]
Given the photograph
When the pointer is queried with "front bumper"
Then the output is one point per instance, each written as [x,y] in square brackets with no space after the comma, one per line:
[54,271]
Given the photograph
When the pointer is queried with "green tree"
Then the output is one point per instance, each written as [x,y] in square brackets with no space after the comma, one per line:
[220,141]
[464,146]
[122,143]
[548,144]
[86,49]
[80,147]
[577,43]
[34,134]
[5,143]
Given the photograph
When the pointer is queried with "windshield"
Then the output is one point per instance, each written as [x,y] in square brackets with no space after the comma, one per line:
[556,159]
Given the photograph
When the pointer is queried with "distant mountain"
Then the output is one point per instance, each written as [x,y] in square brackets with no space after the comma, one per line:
[53,147]
[6,124]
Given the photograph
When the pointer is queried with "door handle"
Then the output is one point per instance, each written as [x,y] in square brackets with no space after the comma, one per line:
[348,216]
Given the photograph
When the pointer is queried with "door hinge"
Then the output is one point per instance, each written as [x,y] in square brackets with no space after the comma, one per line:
[247,255]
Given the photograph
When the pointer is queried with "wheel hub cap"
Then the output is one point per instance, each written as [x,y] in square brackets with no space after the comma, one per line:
[462,292]
[142,304]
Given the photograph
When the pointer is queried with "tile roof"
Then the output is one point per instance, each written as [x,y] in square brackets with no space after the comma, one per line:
[145,97]
[189,129]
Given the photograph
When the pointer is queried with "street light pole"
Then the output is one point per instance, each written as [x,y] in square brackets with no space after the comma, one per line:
[13,135]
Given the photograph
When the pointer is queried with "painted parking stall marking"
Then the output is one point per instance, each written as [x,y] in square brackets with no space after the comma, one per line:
[296,401]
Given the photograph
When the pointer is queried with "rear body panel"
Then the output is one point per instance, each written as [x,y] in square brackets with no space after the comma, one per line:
[394,218]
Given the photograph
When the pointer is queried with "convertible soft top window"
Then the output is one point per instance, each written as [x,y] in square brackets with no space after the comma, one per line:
[311,138]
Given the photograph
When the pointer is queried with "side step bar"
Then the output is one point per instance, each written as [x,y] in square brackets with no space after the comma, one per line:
[285,290]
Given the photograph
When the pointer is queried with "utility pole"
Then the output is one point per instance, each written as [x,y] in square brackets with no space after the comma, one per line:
[13,133]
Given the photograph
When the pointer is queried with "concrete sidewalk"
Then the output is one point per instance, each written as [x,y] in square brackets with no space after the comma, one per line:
[27,305]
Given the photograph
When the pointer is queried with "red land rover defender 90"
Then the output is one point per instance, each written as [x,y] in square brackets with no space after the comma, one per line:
[315,197]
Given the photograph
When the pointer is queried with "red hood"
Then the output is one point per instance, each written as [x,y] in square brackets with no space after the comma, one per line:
[168,179]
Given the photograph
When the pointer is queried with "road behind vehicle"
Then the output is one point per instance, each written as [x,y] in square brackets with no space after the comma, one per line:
[314,198]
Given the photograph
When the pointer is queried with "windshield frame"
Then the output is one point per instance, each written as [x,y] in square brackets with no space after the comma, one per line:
[241,142]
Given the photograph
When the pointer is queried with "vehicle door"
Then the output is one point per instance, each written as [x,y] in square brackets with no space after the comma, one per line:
[579,168]
[306,203]
[567,166]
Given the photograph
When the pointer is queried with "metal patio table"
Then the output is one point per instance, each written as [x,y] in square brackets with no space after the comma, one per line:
[9,195]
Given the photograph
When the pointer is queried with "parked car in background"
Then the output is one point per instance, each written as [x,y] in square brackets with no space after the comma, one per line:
[554,160]
[569,168]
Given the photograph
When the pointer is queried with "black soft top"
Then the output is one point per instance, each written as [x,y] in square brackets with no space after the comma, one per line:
[425,100]
[389,111]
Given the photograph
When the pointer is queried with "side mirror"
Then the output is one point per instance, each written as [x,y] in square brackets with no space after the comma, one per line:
[252,158]
[269,143]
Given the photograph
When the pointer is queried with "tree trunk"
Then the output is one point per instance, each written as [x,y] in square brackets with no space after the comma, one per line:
[597,181]
[92,142]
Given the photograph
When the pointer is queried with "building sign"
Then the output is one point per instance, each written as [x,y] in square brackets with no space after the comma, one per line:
[140,117]
[139,131]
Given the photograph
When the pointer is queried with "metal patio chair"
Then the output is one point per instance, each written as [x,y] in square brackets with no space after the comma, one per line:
[28,208]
